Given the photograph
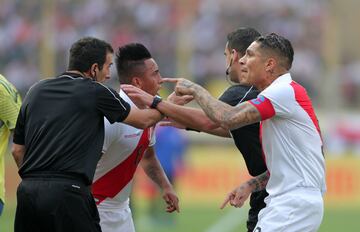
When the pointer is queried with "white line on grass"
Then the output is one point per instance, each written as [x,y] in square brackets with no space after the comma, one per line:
[233,218]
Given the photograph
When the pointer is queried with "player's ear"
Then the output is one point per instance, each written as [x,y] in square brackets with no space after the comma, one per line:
[270,65]
[136,81]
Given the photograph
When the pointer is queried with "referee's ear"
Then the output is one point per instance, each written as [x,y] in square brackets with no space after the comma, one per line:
[235,54]
[94,69]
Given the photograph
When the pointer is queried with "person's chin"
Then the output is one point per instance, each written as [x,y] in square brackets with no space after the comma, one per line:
[241,80]
[244,81]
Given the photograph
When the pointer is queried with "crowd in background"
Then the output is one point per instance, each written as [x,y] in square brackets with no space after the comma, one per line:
[155,24]
[158,24]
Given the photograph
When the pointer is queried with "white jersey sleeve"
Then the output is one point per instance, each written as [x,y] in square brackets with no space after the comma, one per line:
[281,98]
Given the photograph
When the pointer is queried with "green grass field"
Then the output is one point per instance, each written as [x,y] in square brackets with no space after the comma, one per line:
[210,219]
[204,216]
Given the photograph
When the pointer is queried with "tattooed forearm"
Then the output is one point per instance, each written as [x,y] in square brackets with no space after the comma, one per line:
[227,116]
[259,183]
[210,105]
[241,115]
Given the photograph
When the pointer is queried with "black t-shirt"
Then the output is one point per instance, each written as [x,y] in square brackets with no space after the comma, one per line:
[246,138]
[61,125]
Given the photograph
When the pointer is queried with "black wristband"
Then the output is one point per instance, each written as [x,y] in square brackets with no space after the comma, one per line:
[157,99]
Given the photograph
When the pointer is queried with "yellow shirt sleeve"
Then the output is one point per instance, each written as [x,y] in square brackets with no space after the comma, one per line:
[10,103]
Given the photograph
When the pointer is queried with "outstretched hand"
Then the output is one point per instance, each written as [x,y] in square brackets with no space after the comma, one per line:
[238,196]
[182,87]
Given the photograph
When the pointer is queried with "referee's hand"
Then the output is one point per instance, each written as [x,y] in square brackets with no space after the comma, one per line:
[138,96]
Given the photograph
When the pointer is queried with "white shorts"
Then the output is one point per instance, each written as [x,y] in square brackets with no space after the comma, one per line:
[117,219]
[299,210]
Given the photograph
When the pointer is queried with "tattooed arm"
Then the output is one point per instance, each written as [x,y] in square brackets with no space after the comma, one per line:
[226,116]
[238,196]
[259,182]
[186,116]
[155,172]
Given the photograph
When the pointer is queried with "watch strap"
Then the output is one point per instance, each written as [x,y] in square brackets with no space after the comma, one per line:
[156,100]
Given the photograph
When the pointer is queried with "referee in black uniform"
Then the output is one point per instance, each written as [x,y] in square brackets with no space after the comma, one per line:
[58,140]
[246,138]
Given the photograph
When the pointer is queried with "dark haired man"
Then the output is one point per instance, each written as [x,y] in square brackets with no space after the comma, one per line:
[247,138]
[58,139]
[126,146]
[291,137]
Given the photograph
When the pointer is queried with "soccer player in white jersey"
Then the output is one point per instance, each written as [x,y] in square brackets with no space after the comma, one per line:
[125,147]
[290,135]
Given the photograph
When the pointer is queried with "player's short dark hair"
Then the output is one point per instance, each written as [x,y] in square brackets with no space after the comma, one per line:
[241,38]
[280,46]
[130,61]
[88,51]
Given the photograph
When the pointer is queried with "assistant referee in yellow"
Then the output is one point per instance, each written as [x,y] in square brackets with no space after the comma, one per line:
[10,103]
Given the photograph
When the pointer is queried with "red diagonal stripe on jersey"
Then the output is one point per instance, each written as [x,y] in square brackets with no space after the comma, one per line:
[117,178]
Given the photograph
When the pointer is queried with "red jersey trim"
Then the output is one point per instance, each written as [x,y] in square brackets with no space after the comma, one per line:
[264,106]
[304,101]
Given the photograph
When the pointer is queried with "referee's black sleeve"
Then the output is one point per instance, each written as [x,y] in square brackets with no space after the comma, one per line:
[19,132]
[110,104]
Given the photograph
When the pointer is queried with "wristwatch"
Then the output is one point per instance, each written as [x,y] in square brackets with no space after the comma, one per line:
[157,99]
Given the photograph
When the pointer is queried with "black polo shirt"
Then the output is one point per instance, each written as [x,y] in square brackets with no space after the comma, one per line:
[61,124]
[246,138]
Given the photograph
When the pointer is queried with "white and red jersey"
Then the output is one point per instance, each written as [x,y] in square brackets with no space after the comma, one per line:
[123,149]
[290,137]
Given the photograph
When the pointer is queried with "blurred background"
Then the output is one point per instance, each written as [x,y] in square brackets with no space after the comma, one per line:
[187,39]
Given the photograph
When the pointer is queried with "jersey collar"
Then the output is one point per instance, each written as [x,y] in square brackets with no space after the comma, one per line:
[283,78]
[73,75]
